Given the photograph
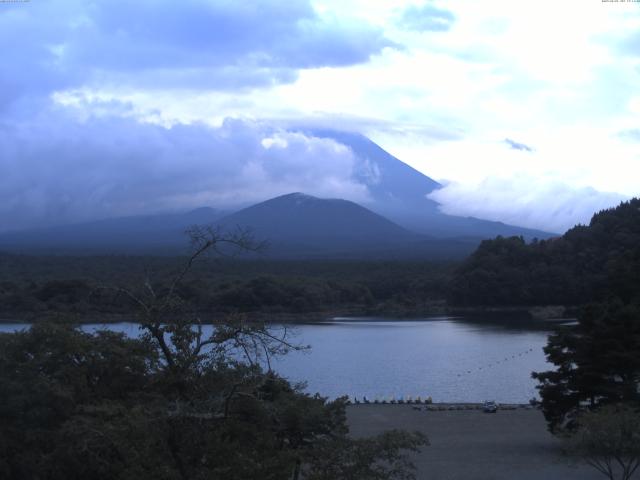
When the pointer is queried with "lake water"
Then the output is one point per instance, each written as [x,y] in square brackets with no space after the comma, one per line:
[449,359]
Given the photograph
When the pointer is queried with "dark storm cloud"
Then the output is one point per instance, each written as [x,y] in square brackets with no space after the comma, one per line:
[427,18]
[52,45]
[518,146]
[62,164]
[147,34]
[28,60]
[57,169]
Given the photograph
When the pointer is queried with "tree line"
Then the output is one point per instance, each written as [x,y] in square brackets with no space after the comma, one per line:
[588,263]
[37,286]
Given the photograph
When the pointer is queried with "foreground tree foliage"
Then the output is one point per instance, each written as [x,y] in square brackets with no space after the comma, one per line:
[597,363]
[609,440]
[174,403]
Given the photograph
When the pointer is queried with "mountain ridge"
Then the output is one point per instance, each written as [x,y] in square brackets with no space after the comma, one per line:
[295,225]
[399,219]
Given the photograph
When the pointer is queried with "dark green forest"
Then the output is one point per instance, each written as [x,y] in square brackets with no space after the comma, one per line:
[588,263]
[32,287]
[595,267]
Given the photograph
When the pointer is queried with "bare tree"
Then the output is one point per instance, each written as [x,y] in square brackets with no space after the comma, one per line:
[169,323]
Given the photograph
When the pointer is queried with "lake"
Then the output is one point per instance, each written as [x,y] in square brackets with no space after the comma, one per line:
[449,359]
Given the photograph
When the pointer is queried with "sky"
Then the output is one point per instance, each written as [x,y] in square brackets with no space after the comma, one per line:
[526,112]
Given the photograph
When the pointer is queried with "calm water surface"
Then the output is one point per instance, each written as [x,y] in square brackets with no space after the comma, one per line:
[449,359]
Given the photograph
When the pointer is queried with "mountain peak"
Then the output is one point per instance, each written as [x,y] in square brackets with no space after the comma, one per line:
[303,199]
[201,210]
[296,196]
[301,218]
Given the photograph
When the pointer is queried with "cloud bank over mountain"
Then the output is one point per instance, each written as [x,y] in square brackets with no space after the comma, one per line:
[546,205]
[62,169]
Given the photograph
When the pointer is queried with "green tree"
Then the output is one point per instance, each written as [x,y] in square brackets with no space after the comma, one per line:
[597,363]
[586,264]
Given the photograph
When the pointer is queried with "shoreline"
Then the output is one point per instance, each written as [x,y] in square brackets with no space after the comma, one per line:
[528,313]
[445,406]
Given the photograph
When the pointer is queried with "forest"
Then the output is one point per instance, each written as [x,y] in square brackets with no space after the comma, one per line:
[588,263]
[32,286]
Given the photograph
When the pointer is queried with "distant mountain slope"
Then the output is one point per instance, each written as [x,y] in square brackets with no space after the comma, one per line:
[294,226]
[299,225]
[137,234]
[390,181]
[399,192]
[297,217]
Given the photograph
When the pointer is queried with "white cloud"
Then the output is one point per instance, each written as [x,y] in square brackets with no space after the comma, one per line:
[542,204]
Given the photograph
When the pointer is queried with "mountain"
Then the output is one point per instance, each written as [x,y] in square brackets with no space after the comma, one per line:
[152,234]
[299,225]
[398,221]
[392,183]
[294,226]
[399,192]
[301,218]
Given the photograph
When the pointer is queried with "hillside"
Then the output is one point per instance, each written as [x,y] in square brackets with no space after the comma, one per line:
[588,263]
[302,219]
[150,234]
[294,226]
[298,225]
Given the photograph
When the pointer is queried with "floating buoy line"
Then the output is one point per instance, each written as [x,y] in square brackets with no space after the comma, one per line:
[392,399]
[427,400]
[496,363]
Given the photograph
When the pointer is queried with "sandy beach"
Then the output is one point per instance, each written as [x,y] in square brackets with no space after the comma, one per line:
[473,445]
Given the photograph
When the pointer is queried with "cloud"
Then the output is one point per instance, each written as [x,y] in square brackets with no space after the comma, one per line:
[370,127]
[58,169]
[427,18]
[438,102]
[518,146]
[57,45]
[194,34]
[538,203]
[632,134]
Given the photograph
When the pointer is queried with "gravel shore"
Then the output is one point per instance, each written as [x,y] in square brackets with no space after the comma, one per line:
[473,445]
